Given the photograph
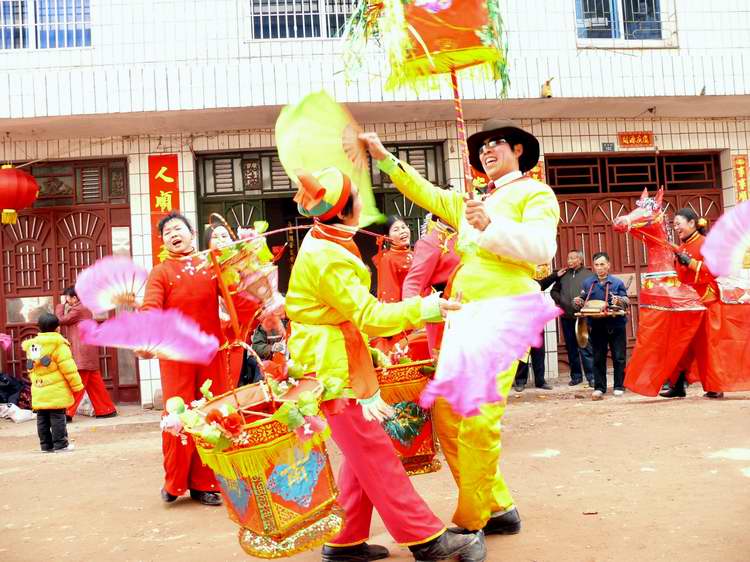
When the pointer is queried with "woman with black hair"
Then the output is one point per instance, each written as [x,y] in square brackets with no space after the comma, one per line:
[691,270]
[394,262]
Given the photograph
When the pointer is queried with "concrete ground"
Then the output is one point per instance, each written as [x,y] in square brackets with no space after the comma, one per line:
[622,479]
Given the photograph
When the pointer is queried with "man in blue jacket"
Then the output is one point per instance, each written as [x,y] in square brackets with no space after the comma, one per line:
[608,332]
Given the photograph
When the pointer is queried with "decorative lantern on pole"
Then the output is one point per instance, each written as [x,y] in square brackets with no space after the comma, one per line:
[18,190]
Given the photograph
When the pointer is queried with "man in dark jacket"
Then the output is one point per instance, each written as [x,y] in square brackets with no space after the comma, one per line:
[536,354]
[566,288]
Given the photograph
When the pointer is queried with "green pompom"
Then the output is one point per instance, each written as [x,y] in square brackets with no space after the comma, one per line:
[175,405]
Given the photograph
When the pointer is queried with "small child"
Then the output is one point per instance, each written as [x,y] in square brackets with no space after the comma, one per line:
[54,378]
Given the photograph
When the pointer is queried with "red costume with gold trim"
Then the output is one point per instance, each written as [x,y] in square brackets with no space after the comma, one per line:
[721,349]
[182,285]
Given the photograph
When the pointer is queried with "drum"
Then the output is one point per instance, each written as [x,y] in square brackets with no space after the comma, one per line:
[411,431]
[279,490]
[592,309]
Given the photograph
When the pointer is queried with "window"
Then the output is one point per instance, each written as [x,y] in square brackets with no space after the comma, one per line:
[286,19]
[44,24]
[624,21]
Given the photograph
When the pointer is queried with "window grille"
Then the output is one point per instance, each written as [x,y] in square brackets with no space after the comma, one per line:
[45,24]
[298,19]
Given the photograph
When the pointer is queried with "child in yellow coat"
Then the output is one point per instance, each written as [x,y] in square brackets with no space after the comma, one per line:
[54,378]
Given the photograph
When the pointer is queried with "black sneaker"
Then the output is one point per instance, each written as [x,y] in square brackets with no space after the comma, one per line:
[468,547]
[167,497]
[544,386]
[509,523]
[110,415]
[713,395]
[206,498]
[574,383]
[358,553]
[518,387]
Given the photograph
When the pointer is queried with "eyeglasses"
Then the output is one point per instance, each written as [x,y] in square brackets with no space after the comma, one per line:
[492,143]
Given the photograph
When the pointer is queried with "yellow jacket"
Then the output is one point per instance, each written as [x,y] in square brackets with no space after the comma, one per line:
[329,286]
[54,375]
[501,260]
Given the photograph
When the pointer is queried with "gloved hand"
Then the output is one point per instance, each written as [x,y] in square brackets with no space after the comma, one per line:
[683,258]
[375,409]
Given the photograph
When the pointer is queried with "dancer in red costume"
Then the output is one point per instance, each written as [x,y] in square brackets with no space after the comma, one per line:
[86,357]
[434,260]
[218,235]
[685,331]
[393,264]
[180,283]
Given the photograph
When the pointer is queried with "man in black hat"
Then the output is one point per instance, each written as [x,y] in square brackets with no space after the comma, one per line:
[502,236]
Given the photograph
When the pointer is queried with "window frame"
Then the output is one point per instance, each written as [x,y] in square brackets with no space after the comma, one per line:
[34,30]
[323,16]
[667,20]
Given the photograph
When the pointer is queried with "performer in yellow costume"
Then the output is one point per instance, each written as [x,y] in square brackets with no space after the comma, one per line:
[502,235]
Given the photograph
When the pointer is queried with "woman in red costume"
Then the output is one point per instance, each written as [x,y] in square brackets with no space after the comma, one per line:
[434,260]
[393,264]
[692,271]
[180,282]
[215,236]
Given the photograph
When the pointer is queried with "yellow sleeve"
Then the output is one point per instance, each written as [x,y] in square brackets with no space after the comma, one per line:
[341,289]
[67,367]
[448,205]
[534,239]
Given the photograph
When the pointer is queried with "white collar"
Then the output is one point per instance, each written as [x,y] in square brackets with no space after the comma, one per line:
[507,178]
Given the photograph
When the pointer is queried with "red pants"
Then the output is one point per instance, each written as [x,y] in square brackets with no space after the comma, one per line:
[94,386]
[372,475]
[183,469]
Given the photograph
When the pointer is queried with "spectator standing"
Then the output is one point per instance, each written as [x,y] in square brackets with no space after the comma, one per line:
[535,360]
[607,332]
[54,380]
[71,313]
[566,287]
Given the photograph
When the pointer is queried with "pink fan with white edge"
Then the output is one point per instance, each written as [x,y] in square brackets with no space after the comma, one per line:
[166,334]
[728,242]
[5,341]
[112,282]
[481,341]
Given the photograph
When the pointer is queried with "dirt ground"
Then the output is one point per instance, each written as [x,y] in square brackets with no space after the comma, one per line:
[622,479]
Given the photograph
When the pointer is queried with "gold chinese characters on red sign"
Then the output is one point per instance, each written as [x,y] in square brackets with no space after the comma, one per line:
[635,139]
[164,195]
[739,166]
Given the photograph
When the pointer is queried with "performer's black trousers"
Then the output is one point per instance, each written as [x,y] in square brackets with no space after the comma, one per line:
[604,335]
[537,363]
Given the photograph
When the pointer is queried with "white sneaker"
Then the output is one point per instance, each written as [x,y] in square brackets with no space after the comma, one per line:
[71,447]
[619,392]
[597,395]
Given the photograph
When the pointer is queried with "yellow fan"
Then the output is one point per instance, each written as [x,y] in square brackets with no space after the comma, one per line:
[318,133]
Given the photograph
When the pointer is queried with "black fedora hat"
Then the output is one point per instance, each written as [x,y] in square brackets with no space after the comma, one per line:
[511,132]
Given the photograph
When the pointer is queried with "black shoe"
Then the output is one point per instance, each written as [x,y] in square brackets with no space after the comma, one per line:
[518,387]
[509,523]
[167,497]
[357,553]
[676,392]
[468,547]
[713,395]
[206,498]
[110,415]
[545,386]
[574,383]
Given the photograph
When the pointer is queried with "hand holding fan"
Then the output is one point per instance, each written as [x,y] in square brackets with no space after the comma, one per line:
[165,334]
[111,282]
[727,244]
[318,133]
[482,340]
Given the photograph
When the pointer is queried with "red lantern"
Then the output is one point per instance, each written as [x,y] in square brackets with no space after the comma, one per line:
[18,190]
